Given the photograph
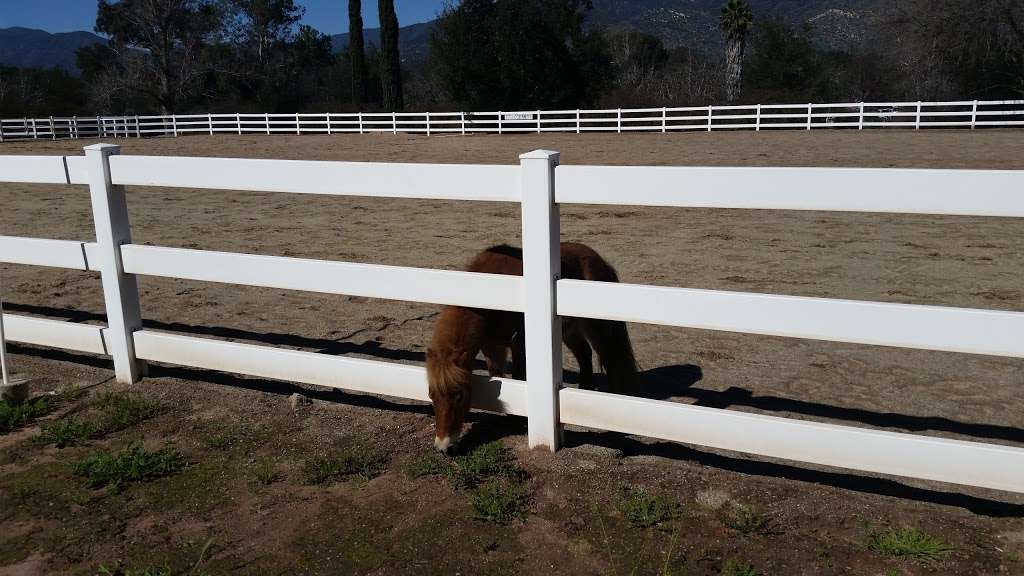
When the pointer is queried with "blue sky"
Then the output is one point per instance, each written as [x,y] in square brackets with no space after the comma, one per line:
[329,16]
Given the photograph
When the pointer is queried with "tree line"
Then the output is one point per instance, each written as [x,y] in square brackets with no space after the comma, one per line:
[254,55]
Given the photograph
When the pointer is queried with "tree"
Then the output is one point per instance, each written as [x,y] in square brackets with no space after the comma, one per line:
[356,49]
[390,59]
[172,32]
[263,24]
[736,20]
[519,54]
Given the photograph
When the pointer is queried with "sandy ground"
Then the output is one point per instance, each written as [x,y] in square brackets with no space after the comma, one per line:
[952,261]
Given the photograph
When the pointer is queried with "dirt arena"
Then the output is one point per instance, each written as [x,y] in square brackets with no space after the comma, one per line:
[395,524]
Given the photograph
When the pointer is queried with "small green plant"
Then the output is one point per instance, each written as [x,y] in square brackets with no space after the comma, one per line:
[70,431]
[119,411]
[134,464]
[499,501]
[909,543]
[432,464]
[484,462]
[736,567]
[748,521]
[644,510]
[265,474]
[13,416]
[358,464]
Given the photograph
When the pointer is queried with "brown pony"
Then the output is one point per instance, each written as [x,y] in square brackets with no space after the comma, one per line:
[461,333]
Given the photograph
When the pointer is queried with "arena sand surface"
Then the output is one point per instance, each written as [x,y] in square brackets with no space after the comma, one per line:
[825,516]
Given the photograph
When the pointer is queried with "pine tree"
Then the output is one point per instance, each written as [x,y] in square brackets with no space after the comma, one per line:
[390,61]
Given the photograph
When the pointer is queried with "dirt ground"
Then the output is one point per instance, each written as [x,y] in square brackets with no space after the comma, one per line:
[822,518]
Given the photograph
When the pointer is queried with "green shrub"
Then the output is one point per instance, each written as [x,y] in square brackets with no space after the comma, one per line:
[134,464]
[909,543]
[343,466]
[499,501]
[644,510]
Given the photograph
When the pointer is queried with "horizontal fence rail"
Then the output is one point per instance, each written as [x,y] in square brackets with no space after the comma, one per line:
[540,185]
[968,114]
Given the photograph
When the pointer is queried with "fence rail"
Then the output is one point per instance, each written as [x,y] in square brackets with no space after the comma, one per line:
[856,115]
[540,186]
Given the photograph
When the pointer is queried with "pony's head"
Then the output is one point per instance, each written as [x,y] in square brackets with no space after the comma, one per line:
[450,375]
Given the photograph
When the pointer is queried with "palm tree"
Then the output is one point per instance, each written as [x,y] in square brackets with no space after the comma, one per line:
[355,51]
[736,20]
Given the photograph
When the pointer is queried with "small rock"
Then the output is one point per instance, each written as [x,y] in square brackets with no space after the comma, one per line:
[297,400]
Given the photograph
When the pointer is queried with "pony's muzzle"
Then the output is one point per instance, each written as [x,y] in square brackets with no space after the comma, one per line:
[445,444]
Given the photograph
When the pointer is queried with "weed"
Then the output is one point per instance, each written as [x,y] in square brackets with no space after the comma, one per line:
[342,466]
[66,432]
[13,416]
[484,462]
[433,464]
[734,567]
[500,502]
[644,510]
[119,411]
[909,543]
[748,521]
[265,474]
[218,440]
[134,464]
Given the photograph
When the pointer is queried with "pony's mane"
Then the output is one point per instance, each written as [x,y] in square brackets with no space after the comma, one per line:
[445,376]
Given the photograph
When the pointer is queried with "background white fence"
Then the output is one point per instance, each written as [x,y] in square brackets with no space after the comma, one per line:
[540,185]
[857,115]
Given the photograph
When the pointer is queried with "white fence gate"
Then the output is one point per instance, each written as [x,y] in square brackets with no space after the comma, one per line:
[540,185]
[852,115]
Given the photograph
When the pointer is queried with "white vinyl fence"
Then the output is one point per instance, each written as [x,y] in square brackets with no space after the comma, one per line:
[541,186]
[858,115]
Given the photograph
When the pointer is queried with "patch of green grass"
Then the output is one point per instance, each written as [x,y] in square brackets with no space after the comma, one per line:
[432,464]
[735,567]
[264,473]
[748,521]
[484,462]
[909,543]
[362,465]
[14,416]
[70,431]
[134,464]
[119,411]
[500,501]
[644,510]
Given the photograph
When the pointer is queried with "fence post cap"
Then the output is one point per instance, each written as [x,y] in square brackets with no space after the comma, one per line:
[541,155]
[105,149]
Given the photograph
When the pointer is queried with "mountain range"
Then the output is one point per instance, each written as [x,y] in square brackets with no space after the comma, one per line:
[693,23]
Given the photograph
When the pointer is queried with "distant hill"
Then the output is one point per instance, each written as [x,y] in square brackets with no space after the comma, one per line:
[694,23]
[413,41]
[29,48]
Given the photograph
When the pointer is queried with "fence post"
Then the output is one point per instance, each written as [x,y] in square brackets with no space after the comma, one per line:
[394,122]
[810,114]
[209,118]
[238,121]
[1,130]
[711,110]
[74,127]
[860,121]
[266,118]
[120,290]
[99,128]
[618,121]
[664,120]
[500,114]
[53,129]
[462,115]
[138,128]
[360,122]
[298,125]
[35,130]
[541,272]
[428,123]
[974,114]
[328,117]
[538,121]
[578,129]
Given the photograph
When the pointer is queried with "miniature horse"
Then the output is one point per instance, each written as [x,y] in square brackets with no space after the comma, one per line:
[461,333]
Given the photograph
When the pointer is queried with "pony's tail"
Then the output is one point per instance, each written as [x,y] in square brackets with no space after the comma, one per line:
[611,339]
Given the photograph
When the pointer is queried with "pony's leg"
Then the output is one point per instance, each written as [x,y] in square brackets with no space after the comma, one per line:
[611,341]
[572,335]
[518,356]
[496,356]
